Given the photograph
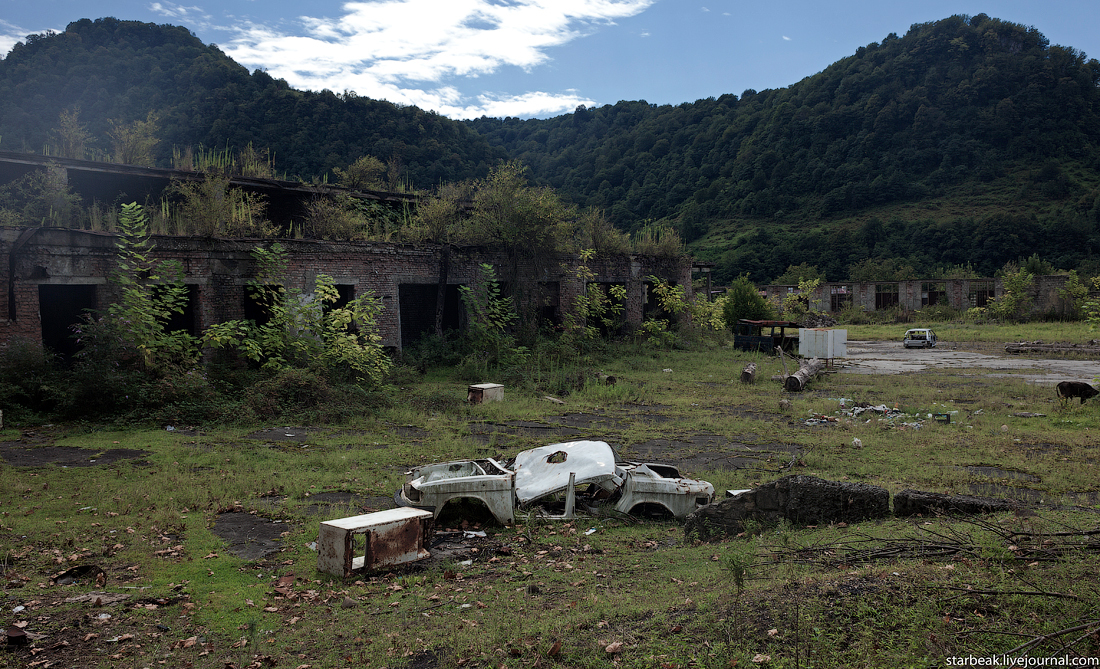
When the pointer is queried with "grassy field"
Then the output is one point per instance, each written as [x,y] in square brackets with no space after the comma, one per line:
[148,519]
[1050,332]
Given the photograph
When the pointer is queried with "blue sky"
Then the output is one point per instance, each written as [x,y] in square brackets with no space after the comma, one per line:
[467,58]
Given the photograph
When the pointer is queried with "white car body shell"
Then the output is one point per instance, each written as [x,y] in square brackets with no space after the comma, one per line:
[543,472]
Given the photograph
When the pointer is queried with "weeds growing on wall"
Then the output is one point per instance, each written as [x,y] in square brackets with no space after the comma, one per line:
[491,345]
[306,331]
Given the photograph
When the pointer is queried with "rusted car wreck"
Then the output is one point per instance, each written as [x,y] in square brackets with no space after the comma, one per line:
[556,481]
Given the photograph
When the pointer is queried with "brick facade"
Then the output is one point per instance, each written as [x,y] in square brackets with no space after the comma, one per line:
[218,270]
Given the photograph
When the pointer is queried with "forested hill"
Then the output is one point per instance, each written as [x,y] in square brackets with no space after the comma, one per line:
[979,113]
[967,140]
[122,70]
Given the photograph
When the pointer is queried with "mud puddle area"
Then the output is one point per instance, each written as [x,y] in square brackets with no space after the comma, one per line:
[881,357]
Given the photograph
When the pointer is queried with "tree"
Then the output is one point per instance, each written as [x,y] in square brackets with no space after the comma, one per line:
[151,292]
[40,198]
[366,172]
[531,224]
[1073,293]
[212,207]
[1015,301]
[71,136]
[490,314]
[796,305]
[133,143]
[798,273]
[743,300]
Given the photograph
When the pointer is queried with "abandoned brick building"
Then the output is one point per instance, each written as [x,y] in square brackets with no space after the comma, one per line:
[910,296]
[52,275]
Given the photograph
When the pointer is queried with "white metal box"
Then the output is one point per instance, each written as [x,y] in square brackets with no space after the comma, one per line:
[373,540]
[485,392]
[822,343]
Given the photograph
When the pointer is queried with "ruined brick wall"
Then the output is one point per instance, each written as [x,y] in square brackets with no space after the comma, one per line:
[219,270]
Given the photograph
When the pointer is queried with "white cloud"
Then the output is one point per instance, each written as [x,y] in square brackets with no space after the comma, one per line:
[786,39]
[420,51]
[6,43]
[179,12]
[10,34]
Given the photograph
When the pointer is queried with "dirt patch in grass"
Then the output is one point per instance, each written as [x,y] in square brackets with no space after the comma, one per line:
[250,537]
[1019,494]
[588,421]
[410,432]
[19,454]
[994,472]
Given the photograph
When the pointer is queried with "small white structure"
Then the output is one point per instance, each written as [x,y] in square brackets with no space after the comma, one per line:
[824,343]
[485,392]
[373,540]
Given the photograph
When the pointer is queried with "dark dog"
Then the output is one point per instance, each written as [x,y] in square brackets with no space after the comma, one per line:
[1070,389]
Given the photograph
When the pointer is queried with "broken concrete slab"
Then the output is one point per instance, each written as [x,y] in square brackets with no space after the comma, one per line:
[250,537]
[18,454]
[802,500]
[920,503]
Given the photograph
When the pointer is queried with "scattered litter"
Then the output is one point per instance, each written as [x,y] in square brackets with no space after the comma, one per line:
[18,609]
[666,370]
[1028,414]
[590,530]
[312,545]
[466,563]
[849,409]
[469,534]
[169,429]
[857,442]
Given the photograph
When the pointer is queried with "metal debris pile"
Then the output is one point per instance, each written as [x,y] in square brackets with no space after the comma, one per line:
[851,411]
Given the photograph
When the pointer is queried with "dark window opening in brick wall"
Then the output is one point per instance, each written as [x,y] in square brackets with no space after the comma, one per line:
[186,321]
[980,293]
[550,305]
[255,297]
[417,302]
[886,295]
[933,293]
[61,307]
[614,329]
[652,308]
[839,297]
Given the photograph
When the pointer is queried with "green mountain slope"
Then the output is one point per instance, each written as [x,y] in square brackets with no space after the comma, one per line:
[982,118]
[122,70]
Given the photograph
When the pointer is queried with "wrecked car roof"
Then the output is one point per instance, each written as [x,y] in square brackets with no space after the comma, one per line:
[545,470]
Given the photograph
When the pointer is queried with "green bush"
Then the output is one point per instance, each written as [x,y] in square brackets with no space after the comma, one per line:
[938,313]
[743,300]
[29,380]
[308,396]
